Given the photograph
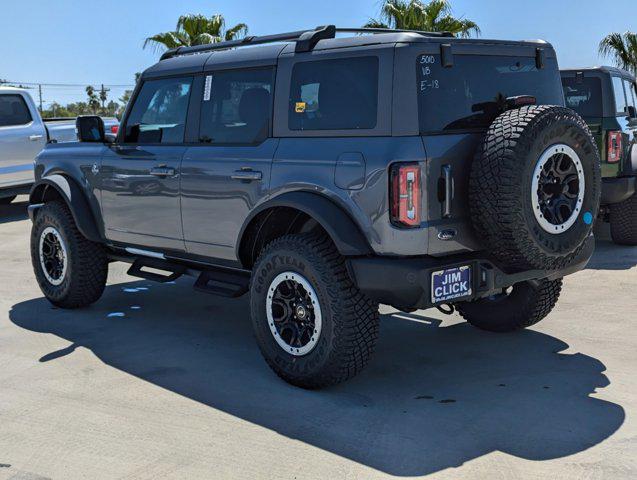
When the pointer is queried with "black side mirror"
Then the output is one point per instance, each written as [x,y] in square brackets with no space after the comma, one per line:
[632,112]
[90,128]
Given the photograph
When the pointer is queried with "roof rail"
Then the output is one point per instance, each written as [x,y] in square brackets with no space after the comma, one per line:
[305,40]
[394,30]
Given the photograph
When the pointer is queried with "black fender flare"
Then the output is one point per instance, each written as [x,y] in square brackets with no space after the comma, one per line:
[338,224]
[74,198]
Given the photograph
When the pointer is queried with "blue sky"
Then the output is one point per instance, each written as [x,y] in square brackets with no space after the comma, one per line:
[81,42]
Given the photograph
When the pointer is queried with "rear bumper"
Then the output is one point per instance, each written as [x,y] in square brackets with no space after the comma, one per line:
[405,283]
[617,189]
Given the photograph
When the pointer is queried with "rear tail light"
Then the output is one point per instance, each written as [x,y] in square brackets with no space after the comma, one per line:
[614,152]
[406,194]
[114,129]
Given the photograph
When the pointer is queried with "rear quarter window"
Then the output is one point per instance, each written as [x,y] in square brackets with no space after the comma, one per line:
[471,94]
[584,95]
[340,94]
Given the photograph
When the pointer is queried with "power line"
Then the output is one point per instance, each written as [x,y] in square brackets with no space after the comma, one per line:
[98,85]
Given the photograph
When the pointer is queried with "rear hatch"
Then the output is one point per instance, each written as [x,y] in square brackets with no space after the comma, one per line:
[459,96]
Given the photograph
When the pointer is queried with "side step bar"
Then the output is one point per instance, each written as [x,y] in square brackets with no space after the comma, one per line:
[223,282]
[217,280]
[174,271]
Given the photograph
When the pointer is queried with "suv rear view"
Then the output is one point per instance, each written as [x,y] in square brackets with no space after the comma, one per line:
[326,175]
[606,98]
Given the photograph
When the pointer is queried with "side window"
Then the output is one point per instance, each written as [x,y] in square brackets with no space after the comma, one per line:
[13,111]
[620,97]
[334,94]
[159,112]
[630,93]
[237,106]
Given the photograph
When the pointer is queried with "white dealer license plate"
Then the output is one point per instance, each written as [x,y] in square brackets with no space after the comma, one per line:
[451,284]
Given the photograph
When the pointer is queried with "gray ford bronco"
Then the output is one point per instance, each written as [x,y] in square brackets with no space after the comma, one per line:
[326,173]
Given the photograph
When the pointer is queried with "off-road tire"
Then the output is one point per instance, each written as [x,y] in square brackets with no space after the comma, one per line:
[350,320]
[7,200]
[525,305]
[500,187]
[87,266]
[623,221]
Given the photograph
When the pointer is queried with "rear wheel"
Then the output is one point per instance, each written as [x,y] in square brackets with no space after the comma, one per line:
[7,200]
[518,307]
[623,222]
[70,269]
[313,326]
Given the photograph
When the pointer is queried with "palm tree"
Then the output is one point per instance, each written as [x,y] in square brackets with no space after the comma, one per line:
[434,16]
[622,48]
[196,30]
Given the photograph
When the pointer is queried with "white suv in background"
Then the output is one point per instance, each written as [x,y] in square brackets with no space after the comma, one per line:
[23,134]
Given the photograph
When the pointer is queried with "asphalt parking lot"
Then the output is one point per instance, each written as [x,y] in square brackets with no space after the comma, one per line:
[158,381]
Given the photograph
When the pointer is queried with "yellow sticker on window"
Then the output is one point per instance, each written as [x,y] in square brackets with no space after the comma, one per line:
[299,107]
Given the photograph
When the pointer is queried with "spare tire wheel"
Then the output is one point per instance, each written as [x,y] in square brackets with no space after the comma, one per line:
[535,187]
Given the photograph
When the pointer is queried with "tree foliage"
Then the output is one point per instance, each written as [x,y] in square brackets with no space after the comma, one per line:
[196,30]
[432,16]
[622,49]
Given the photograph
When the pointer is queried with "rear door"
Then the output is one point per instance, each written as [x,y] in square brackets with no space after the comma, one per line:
[139,177]
[228,171]
[22,137]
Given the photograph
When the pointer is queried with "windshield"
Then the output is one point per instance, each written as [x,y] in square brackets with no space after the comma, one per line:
[584,95]
[472,93]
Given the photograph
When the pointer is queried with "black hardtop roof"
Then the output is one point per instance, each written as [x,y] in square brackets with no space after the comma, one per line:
[602,69]
[266,50]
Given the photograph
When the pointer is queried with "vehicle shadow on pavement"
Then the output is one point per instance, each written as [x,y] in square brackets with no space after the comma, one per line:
[433,396]
[13,212]
[608,255]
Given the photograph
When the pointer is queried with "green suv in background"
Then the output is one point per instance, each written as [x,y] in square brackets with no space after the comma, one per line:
[606,97]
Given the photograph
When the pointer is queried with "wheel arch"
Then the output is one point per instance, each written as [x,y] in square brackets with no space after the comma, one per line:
[294,212]
[60,187]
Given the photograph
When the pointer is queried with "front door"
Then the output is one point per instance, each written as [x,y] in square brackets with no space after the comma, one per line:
[139,178]
[22,137]
[228,172]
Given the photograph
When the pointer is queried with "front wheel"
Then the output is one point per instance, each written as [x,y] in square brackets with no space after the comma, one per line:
[70,269]
[517,307]
[313,326]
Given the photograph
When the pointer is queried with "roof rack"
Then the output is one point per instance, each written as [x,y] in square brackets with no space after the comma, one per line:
[305,40]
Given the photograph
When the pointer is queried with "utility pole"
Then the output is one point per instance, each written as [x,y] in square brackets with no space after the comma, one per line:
[103,95]
[40,92]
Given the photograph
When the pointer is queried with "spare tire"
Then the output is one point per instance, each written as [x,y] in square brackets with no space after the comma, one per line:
[534,187]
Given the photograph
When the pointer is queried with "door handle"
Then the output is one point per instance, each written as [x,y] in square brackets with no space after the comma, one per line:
[162,171]
[33,138]
[449,190]
[248,175]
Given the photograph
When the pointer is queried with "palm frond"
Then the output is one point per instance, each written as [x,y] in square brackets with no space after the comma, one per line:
[205,39]
[240,30]
[166,40]
[375,24]
[622,49]
[193,25]
[432,16]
